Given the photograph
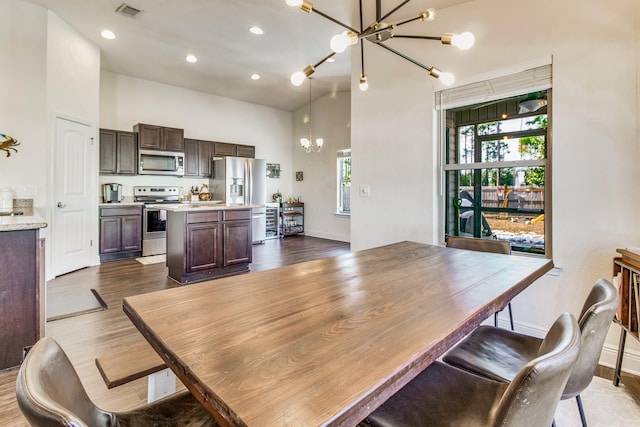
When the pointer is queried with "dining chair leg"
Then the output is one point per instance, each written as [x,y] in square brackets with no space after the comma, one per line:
[581,410]
[495,318]
[511,318]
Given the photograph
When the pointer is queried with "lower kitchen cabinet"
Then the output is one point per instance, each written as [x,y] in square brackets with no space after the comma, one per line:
[208,244]
[21,287]
[120,232]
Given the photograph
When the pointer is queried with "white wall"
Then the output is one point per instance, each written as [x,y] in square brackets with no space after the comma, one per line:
[126,101]
[23,113]
[48,68]
[330,120]
[595,136]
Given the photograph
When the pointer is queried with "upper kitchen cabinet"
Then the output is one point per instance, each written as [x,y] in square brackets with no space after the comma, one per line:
[152,137]
[198,155]
[246,151]
[221,149]
[118,152]
[224,149]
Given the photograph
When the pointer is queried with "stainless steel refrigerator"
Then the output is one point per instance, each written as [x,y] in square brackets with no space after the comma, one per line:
[243,181]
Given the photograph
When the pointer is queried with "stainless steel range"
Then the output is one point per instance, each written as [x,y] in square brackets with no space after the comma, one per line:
[154,220]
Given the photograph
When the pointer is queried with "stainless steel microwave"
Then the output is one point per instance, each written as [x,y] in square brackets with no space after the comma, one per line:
[152,162]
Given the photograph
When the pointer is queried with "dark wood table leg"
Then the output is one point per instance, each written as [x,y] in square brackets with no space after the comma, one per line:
[616,374]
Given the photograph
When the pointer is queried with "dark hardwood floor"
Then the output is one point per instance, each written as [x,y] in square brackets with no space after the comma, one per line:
[91,335]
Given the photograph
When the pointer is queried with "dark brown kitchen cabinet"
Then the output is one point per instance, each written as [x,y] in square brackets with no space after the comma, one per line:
[153,137]
[246,151]
[118,152]
[20,295]
[207,244]
[198,157]
[120,232]
[204,246]
[237,237]
[224,149]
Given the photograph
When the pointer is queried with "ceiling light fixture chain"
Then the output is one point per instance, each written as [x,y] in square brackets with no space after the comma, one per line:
[309,144]
[378,32]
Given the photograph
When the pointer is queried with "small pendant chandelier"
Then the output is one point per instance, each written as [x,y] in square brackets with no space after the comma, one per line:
[308,143]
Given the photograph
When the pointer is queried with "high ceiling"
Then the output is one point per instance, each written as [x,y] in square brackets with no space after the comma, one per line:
[153,44]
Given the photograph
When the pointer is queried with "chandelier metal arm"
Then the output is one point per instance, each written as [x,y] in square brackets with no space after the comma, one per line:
[402,55]
[323,60]
[361,18]
[382,18]
[342,24]
[401,36]
[408,20]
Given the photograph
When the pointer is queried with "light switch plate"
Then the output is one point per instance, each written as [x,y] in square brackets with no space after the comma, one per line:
[365,190]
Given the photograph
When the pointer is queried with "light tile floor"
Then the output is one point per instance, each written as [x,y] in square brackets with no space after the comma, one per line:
[604,405]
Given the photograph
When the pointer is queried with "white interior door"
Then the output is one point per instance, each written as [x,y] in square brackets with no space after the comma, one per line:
[74,196]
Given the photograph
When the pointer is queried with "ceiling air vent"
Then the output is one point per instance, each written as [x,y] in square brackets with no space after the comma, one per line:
[125,9]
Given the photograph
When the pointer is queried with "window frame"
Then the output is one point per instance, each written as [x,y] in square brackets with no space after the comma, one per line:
[449,135]
[340,181]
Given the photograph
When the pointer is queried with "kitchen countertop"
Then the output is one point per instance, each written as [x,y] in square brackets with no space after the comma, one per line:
[127,201]
[29,221]
[201,206]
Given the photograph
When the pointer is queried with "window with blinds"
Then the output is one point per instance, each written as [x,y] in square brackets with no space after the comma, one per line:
[496,157]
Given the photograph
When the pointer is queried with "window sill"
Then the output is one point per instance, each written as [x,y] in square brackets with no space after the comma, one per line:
[342,215]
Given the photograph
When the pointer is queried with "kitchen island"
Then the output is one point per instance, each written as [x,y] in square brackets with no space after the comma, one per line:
[22,309]
[207,240]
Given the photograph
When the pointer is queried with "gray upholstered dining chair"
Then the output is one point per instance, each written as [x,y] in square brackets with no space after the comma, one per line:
[443,395]
[499,354]
[483,245]
[49,393]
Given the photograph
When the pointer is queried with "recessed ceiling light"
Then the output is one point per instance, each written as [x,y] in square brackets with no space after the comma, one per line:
[255,76]
[191,58]
[256,30]
[108,34]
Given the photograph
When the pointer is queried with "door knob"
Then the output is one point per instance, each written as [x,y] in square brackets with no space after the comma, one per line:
[62,205]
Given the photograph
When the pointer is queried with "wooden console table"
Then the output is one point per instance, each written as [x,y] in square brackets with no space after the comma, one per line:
[628,266]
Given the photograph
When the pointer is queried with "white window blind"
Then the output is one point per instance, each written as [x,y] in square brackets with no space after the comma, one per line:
[527,81]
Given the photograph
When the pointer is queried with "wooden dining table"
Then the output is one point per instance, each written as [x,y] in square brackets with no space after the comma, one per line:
[325,342]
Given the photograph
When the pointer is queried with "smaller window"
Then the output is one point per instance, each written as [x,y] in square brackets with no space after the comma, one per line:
[344,182]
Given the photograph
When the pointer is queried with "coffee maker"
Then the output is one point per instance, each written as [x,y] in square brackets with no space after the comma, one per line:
[112,193]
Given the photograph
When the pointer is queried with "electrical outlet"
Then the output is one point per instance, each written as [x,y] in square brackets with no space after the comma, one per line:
[365,190]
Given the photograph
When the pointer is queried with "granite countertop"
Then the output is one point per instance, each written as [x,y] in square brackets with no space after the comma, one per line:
[127,201]
[201,206]
[30,220]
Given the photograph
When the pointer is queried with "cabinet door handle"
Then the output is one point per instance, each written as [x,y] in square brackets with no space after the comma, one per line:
[62,205]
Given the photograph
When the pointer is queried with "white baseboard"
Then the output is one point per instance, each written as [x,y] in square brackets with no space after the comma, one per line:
[630,361]
[328,236]
[608,358]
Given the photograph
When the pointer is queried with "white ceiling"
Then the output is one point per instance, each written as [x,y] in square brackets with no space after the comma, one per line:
[153,45]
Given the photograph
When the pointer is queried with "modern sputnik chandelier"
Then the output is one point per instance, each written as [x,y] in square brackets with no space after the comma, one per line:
[377,33]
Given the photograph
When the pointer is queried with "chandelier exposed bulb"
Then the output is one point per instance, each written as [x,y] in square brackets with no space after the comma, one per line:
[427,15]
[463,41]
[340,42]
[297,78]
[294,3]
[363,83]
[447,78]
